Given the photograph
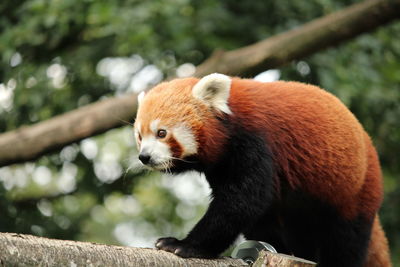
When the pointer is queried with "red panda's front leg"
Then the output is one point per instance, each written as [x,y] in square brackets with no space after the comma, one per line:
[242,190]
[226,218]
[211,236]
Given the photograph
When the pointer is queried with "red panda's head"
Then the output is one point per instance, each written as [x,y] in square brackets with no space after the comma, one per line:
[177,120]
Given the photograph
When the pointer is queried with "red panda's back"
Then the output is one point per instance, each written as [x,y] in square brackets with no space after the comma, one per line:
[317,142]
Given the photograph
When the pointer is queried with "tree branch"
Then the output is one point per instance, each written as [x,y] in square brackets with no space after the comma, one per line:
[27,250]
[314,36]
[29,143]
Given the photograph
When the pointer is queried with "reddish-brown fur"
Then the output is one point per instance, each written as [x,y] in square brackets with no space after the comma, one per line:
[175,147]
[317,143]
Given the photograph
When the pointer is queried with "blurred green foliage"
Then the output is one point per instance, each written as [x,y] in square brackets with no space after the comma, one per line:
[50,52]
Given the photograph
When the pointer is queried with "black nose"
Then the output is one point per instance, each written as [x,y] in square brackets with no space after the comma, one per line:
[144,158]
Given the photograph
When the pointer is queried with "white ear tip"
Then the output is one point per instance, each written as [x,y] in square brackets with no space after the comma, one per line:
[218,76]
[140,97]
[220,80]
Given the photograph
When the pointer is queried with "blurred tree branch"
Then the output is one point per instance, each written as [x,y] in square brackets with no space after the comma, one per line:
[316,35]
[27,250]
[29,143]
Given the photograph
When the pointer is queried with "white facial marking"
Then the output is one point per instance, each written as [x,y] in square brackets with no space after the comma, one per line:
[214,90]
[186,138]
[154,125]
[159,151]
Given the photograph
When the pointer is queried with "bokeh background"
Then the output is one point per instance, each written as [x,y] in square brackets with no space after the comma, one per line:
[59,55]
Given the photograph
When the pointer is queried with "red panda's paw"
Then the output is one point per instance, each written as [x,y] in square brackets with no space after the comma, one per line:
[167,243]
[181,248]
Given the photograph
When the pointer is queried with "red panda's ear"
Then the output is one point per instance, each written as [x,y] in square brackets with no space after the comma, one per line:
[214,90]
[140,97]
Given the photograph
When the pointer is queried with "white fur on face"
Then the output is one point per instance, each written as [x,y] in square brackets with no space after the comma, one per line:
[159,151]
[214,90]
[186,139]
[154,125]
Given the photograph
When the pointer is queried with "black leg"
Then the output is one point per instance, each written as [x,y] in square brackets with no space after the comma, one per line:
[346,243]
[226,217]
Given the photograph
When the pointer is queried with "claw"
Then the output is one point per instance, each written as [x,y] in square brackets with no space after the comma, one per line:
[177,251]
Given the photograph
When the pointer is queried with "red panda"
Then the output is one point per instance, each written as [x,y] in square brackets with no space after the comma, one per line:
[287,163]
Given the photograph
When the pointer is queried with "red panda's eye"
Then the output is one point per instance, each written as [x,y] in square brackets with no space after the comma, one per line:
[161,133]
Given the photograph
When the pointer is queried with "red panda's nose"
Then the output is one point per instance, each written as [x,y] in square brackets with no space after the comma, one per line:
[144,158]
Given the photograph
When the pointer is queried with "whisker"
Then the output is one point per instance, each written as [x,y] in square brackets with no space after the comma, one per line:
[136,165]
[125,173]
[166,168]
[126,122]
[183,160]
[127,170]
